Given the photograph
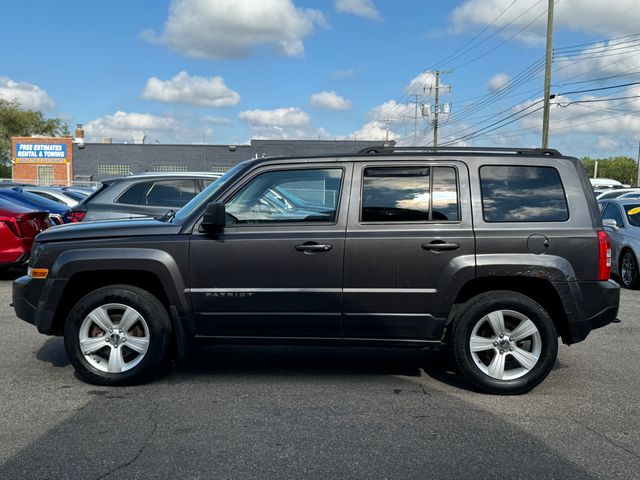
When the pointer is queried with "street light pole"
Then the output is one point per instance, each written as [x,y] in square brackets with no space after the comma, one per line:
[638,168]
[547,77]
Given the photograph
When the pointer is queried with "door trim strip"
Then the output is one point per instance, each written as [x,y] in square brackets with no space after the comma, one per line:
[310,290]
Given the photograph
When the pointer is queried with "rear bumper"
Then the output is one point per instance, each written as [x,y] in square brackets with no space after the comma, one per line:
[588,305]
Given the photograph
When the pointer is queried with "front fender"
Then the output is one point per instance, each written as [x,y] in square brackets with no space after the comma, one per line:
[157,262]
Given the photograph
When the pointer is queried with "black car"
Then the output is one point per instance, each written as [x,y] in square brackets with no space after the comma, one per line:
[490,254]
[141,195]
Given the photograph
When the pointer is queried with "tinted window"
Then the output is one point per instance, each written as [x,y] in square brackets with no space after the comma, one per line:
[391,194]
[522,194]
[612,212]
[171,193]
[135,194]
[49,197]
[633,214]
[288,196]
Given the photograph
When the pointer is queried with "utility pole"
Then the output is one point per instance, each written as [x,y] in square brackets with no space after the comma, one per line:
[436,110]
[638,170]
[436,107]
[547,77]
[415,116]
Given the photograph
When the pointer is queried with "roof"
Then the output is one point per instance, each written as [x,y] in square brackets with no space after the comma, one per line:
[160,175]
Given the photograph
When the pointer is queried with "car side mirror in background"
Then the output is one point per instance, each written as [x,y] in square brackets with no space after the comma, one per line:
[214,218]
[611,223]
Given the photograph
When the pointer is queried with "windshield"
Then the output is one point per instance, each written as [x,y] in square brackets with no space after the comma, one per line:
[633,214]
[207,193]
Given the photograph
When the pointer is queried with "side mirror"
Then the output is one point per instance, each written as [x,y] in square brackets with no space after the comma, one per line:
[611,223]
[214,218]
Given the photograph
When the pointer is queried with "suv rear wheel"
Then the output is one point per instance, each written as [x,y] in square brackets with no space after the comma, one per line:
[117,335]
[504,342]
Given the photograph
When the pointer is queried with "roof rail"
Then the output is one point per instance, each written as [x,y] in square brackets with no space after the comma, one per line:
[549,152]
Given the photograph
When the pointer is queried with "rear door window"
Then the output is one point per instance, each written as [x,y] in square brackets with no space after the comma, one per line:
[409,194]
[160,193]
[171,193]
[522,194]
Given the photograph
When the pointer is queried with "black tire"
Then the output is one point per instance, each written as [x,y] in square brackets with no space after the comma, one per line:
[494,353]
[151,329]
[629,276]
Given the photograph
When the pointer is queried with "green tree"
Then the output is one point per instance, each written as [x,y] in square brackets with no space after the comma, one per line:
[18,122]
[623,169]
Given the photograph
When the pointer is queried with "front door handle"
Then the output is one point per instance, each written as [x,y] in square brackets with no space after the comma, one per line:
[314,247]
[439,245]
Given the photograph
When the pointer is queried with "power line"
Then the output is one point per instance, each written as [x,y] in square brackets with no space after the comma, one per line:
[601,88]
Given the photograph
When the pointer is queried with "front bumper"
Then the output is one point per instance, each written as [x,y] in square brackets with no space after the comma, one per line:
[29,302]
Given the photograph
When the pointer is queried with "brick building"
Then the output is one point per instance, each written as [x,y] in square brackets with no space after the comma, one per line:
[42,160]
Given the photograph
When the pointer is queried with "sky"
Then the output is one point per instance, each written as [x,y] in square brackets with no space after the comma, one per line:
[228,71]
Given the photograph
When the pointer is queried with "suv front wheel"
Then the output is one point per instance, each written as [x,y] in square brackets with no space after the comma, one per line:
[504,342]
[117,335]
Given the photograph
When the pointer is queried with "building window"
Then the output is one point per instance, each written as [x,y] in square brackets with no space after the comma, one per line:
[220,168]
[45,175]
[113,169]
[170,168]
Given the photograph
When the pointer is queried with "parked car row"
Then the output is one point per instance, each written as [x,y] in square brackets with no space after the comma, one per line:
[117,198]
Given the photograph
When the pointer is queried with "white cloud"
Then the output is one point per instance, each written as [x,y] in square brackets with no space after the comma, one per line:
[234,28]
[498,82]
[616,57]
[121,125]
[216,120]
[29,95]
[361,8]
[281,123]
[424,83]
[607,18]
[386,120]
[329,100]
[205,92]
[280,117]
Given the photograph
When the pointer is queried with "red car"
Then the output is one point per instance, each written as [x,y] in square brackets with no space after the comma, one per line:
[18,227]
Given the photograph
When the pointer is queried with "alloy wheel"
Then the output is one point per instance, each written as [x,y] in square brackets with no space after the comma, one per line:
[114,338]
[505,344]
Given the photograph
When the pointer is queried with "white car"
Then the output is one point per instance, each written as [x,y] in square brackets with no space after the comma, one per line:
[606,183]
[617,193]
[621,219]
[58,195]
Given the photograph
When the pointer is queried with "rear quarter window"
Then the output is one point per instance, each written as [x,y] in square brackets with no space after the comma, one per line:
[515,193]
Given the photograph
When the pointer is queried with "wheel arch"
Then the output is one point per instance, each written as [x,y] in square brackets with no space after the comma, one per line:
[82,271]
[540,290]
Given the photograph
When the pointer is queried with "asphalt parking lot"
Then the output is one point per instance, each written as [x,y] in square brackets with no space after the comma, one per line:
[319,413]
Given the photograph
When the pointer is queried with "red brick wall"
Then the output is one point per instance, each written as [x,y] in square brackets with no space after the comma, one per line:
[28,172]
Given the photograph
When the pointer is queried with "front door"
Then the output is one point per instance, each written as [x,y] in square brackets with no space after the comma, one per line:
[410,244]
[276,269]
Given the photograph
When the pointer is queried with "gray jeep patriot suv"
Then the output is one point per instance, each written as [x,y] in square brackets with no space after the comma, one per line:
[491,253]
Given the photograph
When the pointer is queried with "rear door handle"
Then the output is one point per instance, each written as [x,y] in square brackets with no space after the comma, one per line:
[439,245]
[314,247]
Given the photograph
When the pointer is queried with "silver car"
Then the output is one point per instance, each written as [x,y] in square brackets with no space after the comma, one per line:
[621,218]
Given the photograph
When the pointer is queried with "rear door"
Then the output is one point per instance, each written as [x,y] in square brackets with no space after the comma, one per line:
[409,246]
